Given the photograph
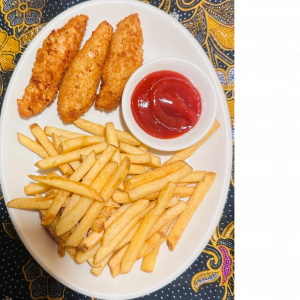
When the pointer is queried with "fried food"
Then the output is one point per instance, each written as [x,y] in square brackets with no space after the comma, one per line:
[79,88]
[125,56]
[99,222]
[98,129]
[186,153]
[52,61]
[192,204]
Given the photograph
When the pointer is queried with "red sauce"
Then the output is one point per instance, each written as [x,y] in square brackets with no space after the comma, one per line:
[166,104]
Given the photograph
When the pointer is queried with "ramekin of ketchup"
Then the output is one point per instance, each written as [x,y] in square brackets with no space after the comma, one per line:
[169,104]
[165,104]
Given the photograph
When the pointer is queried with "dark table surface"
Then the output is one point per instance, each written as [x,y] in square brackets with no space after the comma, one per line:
[212,24]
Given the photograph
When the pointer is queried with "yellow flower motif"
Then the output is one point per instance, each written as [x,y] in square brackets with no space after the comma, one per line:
[224,35]
[9,47]
[22,12]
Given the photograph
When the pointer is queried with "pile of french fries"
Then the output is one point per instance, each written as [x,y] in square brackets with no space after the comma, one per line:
[114,202]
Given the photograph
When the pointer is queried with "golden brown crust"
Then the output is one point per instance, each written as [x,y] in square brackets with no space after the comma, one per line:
[52,61]
[79,88]
[125,56]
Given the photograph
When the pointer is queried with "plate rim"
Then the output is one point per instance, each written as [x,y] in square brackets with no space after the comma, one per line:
[227,124]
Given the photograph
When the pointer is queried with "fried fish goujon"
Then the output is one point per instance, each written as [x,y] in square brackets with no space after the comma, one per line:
[79,88]
[125,55]
[52,61]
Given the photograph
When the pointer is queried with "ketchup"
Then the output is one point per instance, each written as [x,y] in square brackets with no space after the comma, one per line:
[166,104]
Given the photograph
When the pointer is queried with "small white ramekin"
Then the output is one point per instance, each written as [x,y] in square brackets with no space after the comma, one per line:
[208,97]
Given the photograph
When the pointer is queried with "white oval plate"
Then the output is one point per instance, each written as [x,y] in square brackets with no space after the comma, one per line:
[164,37]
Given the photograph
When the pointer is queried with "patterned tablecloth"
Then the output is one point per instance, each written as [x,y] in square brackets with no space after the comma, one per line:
[211,276]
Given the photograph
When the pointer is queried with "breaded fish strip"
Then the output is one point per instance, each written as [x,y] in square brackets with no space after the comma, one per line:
[52,61]
[79,88]
[124,57]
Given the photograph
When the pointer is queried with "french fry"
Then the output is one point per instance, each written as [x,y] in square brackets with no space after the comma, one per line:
[81,205]
[192,204]
[117,226]
[67,221]
[61,197]
[146,226]
[111,139]
[71,203]
[121,197]
[56,142]
[118,212]
[32,145]
[129,149]
[119,232]
[143,147]
[72,252]
[157,173]
[86,222]
[98,225]
[36,188]
[80,142]
[66,202]
[152,196]
[165,229]
[186,153]
[153,242]
[48,146]
[119,204]
[94,238]
[138,169]
[112,203]
[98,129]
[51,232]
[58,160]
[52,193]
[106,212]
[83,256]
[68,185]
[131,234]
[104,158]
[61,244]
[157,185]
[105,184]
[184,191]
[91,262]
[194,176]
[149,261]
[115,180]
[30,203]
[49,130]
[104,262]
[98,184]
[115,261]
[174,200]
[168,215]
[121,187]
[137,158]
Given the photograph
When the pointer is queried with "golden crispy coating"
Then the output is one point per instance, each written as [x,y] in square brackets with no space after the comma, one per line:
[52,61]
[79,88]
[124,57]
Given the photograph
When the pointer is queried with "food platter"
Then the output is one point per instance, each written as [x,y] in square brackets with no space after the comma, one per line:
[163,37]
